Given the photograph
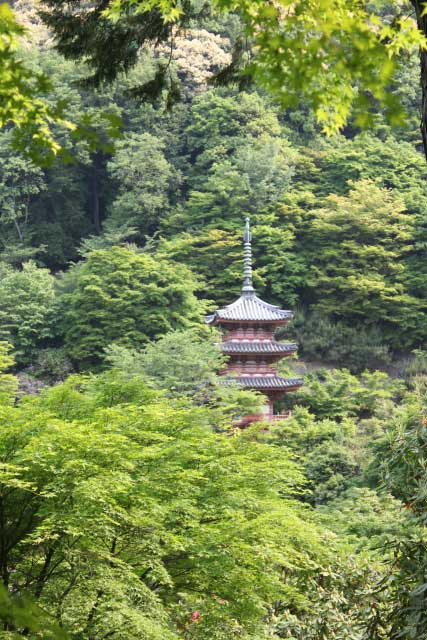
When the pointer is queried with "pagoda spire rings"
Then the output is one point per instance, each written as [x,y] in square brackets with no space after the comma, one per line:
[247,287]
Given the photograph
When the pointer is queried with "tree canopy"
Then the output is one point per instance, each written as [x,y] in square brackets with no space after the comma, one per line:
[119,295]
[339,57]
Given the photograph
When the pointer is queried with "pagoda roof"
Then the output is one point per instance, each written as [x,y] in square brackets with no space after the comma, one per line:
[263,382]
[254,346]
[249,308]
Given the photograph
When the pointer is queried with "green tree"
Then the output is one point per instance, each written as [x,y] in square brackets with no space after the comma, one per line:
[167,530]
[323,447]
[21,613]
[336,393]
[402,461]
[26,309]
[145,180]
[338,599]
[124,297]
[20,91]
[336,418]
[78,187]
[216,255]
[390,162]
[255,177]
[333,341]
[183,363]
[8,382]
[360,243]
[220,125]
[372,520]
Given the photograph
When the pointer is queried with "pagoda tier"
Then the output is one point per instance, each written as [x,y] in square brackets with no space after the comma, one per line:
[247,327]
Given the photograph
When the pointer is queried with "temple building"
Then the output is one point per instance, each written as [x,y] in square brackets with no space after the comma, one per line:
[247,328]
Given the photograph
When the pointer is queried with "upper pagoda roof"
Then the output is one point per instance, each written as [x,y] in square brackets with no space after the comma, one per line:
[248,308]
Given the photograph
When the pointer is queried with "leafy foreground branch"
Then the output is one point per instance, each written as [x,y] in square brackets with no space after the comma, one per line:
[338,56]
[21,91]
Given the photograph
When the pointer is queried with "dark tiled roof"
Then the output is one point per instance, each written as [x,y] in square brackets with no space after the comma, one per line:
[257,347]
[249,307]
[263,382]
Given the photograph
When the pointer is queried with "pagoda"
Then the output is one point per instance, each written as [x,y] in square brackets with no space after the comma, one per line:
[247,328]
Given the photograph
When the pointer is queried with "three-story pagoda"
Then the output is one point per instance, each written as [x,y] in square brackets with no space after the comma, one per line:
[247,327]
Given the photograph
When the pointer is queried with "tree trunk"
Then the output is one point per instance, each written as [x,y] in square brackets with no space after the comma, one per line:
[422,26]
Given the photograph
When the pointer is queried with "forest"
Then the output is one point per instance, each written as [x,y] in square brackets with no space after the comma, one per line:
[134,143]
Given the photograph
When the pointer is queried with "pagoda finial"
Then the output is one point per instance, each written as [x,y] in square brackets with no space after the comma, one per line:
[247,260]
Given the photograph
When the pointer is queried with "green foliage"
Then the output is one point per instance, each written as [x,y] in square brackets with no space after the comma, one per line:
[215,254]
[337,57]
[51,365]
[370,520]
[20,91]
[21,613]
[337,599]
[145,182]
[336,419]
[183,363]
[239,161]
[121,296]
[329,463]
[401,459]
[109,46]
[132,506]
[336,393]
[220,123]
[26,309]
[112,236]
[330,341]
[20,182]
[164,519]
[180,182]
[361,240]
[185,366]
[8,382]
[389,162]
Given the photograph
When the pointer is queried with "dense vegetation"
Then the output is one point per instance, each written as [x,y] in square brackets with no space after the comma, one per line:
[130,507]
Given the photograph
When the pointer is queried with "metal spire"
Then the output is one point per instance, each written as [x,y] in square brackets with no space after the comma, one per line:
[247,260]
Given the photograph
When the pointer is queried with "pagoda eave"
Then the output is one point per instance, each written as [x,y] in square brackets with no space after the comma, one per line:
[270,350]
[264,383]
[245,322]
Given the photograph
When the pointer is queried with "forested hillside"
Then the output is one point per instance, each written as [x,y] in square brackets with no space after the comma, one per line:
[339,223]
[130,507]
